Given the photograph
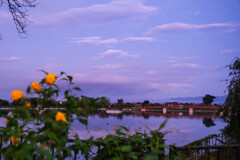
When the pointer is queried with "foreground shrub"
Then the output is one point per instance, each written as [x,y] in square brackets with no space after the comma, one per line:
[36,130]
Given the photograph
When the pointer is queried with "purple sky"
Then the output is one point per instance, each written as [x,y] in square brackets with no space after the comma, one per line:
[130,49]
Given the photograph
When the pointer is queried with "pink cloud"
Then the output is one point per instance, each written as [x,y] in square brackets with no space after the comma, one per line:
[138,39]
[10,59]
[184,27]
[112,53]
[98,13]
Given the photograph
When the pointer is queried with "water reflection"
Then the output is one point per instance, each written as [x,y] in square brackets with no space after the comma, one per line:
[185,129]
[208,122]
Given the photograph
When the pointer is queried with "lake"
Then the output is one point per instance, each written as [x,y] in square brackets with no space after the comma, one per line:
[184,129]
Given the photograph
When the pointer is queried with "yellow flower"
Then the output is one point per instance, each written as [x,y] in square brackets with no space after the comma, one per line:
[6,121]
[43,146]
[36,87]
[114,128]
[14,140]
[16,95]
[60,117]
[28,104]
[50,78]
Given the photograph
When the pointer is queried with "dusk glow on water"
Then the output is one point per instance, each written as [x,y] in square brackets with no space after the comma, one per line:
[184,130]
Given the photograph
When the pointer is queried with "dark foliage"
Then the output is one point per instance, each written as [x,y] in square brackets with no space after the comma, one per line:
[208,99]
[231,111]
[4,102]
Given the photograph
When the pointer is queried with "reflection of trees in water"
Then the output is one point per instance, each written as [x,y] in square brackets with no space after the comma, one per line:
[120,116]
[103,115]
[145,116]
[208,122]
[106,115]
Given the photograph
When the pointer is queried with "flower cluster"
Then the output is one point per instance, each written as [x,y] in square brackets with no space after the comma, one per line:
[14,140]
[17,94]
[28,105]
[60,117]
[51,78]
[36,87]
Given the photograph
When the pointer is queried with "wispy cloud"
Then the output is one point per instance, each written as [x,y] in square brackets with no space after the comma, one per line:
[167,86]
[185,65]
[228,51]
[138,39]
[102,78]
[184,27]
[180,85]
[98,13]
[10,59]
[174,59]
[111,53]
[97,41]
[108,66]
[182,62]
[182,58]
[151,72]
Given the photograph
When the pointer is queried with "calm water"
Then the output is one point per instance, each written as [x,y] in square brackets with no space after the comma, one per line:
[185,129]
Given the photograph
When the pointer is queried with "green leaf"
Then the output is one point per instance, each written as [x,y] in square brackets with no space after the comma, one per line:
[56,86]
[43,81]
[44,153]
[70,78]
[116,158]
[83,121]
[125,128]
[64,79]
[162,125]
[52,135]
[28,91]
[77,88]
[62,73]
[66,93]
[125,148]
[24,153]
[44,71]
[27,114]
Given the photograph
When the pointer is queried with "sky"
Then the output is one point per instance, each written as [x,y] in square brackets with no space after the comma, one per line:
[135,50]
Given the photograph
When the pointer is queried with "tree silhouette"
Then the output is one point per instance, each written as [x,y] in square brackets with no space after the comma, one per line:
[208,99]
[231,110]
[19,10]
[120,101]
[146,102]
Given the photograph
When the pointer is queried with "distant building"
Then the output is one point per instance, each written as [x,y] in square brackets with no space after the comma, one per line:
[138,105]
[170,104]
